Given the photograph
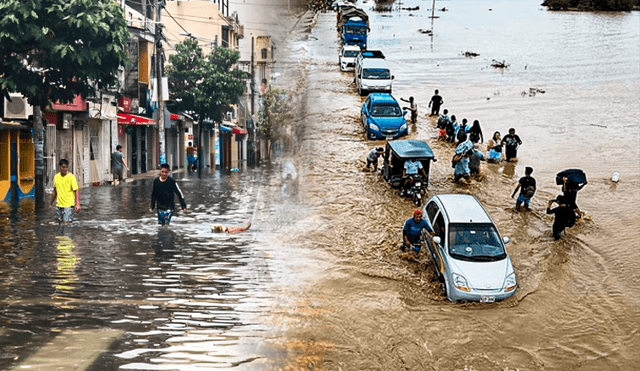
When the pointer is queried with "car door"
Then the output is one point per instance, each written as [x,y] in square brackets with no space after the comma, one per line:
[436,221]
[365,112]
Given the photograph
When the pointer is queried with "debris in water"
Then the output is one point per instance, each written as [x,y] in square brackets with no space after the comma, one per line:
[469,54]
[498,64]
[615,177]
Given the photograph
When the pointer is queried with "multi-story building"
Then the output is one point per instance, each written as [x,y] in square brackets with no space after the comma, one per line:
[210,23]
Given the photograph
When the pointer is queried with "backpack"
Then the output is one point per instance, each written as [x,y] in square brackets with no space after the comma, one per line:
[529,191]
[462,134]
[474,136]
[450,129]
[455,159]
[442,122]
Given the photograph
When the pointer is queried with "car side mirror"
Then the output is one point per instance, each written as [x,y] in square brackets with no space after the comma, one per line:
[506,239]
[437,240]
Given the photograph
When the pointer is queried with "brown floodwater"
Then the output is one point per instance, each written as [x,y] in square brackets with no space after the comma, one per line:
[319,282]
[371,307]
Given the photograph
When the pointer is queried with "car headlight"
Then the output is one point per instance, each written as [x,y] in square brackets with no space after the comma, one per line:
[374,127]
[510,283]
[460,282]
[403,127]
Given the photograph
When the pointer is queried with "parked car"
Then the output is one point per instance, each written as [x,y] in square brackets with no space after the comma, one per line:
[468,253]
[348,55]
[382,117]
[374,75]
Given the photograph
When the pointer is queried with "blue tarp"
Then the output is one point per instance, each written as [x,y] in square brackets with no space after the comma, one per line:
[225,128]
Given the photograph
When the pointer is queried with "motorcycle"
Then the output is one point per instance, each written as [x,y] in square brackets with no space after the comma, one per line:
[414,189]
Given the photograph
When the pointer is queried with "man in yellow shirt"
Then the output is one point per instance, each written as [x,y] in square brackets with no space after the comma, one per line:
[65,190]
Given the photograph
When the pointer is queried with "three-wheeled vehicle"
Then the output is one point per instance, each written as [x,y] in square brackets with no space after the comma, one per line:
[395,155]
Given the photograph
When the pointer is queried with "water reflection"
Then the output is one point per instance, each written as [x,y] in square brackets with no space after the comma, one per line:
[66,263]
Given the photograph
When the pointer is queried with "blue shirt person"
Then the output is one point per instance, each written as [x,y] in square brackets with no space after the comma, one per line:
[412,230]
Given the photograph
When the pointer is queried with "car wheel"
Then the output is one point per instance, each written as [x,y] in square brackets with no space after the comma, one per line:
[371,135]
[359,91]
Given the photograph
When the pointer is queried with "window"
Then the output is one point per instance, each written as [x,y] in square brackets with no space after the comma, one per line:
[438,226]
[264,53]
[475,242]
[432,209]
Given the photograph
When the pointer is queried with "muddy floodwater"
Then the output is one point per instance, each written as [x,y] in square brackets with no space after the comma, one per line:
[318,282]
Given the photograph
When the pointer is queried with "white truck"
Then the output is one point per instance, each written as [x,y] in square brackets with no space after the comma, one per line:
[373,74]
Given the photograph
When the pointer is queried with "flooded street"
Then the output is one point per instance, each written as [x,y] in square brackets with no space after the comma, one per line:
[319,281]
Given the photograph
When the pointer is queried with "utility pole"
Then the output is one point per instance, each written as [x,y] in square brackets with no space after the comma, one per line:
[253,97]
[159,73]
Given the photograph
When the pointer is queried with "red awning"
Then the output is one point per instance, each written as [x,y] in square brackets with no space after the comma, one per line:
[237,130]
[128,119]
[174,116]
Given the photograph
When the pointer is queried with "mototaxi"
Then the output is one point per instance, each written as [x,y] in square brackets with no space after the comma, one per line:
[397,152]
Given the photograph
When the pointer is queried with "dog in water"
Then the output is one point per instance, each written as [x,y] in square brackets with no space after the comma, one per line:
[219,228]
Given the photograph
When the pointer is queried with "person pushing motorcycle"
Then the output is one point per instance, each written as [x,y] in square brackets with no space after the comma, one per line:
[412,230]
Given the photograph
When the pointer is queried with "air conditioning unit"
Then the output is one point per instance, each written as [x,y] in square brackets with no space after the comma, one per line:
[18,108]
[228,116]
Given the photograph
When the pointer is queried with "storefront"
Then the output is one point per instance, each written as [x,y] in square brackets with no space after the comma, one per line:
[17,162]
[138,135]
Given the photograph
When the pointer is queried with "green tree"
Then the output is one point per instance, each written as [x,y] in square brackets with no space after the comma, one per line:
[52,50]
[204,86]
[275,115]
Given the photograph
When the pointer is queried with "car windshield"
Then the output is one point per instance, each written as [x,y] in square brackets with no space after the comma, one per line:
[355,30]
[376,73]
[386,110]
[475,242]
[350,53]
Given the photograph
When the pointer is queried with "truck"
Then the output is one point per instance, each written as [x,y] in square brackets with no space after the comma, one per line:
[373,75]
[354,32]
[364,54]
[353,26]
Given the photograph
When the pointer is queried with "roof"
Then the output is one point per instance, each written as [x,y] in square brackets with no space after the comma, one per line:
[374,63]
[372,54]
[464,208]
[382,98]
[411,148]
[350,47]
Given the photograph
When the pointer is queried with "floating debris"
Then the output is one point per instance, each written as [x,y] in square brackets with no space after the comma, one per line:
[498,64]
[428,32]
[469,54]
[533,92]
[412,8]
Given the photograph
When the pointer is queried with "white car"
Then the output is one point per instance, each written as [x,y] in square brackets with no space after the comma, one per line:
[468,253]
[347,58]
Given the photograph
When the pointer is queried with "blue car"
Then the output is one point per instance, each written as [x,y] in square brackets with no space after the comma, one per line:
[382,117]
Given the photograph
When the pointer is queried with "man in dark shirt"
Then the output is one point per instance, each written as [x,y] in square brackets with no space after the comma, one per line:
[511,143]
[565,217]
[435,103]
[162,195]
[527,187]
